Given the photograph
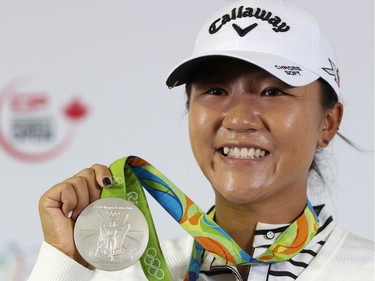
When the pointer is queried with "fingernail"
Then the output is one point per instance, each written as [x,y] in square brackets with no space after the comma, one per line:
[70,214]
[106,181]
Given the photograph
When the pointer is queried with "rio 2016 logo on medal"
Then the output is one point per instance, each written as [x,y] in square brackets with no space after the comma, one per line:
[36,126]
[111,234]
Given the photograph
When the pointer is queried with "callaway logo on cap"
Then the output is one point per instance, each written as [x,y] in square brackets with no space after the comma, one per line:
[280,37]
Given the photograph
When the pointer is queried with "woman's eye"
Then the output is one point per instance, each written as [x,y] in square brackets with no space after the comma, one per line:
[216,92]
[272,92]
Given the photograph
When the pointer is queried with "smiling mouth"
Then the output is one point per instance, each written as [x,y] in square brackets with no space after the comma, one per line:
[243,152]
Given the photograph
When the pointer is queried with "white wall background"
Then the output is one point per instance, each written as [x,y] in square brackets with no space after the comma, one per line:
[115,55]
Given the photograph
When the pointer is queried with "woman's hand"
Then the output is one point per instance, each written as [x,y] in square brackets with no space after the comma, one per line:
[60,206]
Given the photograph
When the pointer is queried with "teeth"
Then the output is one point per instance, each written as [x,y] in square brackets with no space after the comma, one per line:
[226,150]
[257,153]
[244,153]
[251,153]
[236,152]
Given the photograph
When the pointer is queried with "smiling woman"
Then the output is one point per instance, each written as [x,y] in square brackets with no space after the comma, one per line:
[238,107]
[328,100]
[263,94]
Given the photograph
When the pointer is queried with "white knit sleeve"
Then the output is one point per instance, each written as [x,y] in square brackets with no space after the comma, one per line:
[53,265]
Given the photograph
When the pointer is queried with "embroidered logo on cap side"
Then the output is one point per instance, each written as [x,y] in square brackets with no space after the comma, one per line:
[290,70]
[243,12]
[333,71]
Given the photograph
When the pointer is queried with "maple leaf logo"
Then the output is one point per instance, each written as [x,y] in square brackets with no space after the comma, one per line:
[75,110]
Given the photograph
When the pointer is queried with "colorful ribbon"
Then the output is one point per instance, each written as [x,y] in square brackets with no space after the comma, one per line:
[131,173]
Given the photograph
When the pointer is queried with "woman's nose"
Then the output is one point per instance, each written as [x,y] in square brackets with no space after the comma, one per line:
[242,114]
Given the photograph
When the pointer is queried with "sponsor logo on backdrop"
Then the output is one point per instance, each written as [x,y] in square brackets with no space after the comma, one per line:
[37,125]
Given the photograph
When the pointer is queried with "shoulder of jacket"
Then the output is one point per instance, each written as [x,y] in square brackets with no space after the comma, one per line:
[344,257]
[355,246]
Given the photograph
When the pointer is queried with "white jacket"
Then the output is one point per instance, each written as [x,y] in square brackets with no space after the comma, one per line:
[344,257]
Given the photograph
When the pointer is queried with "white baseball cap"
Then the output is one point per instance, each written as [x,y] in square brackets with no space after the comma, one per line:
[276,35]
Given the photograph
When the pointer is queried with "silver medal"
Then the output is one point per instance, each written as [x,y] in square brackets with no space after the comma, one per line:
[111,234]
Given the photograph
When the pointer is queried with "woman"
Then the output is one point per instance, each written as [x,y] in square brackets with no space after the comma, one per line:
[262,88]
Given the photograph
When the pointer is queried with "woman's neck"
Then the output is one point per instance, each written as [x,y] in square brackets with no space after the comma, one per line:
[240,221]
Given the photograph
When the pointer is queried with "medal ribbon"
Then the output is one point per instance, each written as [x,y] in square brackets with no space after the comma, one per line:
[131,173]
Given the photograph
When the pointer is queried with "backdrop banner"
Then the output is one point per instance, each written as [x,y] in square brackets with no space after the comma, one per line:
[83,82]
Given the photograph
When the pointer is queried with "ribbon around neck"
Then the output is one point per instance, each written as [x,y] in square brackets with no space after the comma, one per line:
[132,173]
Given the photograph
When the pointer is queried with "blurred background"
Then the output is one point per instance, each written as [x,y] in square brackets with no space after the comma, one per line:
[82,82]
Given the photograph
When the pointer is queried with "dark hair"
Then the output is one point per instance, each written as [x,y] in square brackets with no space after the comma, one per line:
[328,100]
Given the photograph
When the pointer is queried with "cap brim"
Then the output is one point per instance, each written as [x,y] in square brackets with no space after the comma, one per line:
[284,69]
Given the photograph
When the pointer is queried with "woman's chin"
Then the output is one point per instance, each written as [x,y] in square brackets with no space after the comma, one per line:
[240,197]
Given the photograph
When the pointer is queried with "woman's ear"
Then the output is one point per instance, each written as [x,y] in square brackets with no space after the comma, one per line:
[331,124]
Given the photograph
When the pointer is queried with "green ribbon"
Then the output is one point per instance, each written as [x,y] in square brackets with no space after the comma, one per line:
[126,186]
[132,173]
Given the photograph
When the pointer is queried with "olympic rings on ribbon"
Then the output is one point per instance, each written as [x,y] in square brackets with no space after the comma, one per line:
[117,181]
[153,264]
